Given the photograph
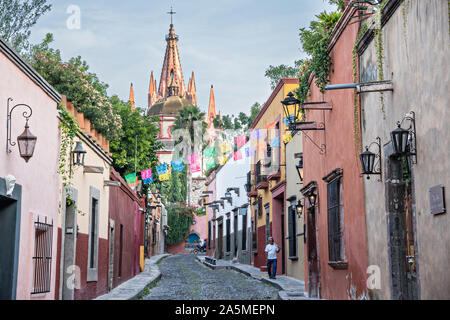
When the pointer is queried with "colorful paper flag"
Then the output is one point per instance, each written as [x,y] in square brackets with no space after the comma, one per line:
[287,137]
[164,176]
[162,169]
[177,165]
[275,142]
[240,141]
[237,155]
[209,153]
[194,163]
[148,180]
[146,174]
[210,163]
[131,179]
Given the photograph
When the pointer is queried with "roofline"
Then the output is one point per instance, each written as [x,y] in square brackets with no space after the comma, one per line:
[280,84]
[14,57]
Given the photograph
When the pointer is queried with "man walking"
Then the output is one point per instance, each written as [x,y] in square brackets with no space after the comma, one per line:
[272,250]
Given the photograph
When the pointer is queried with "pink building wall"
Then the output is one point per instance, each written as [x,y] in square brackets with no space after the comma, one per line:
[200,228]
[38,178]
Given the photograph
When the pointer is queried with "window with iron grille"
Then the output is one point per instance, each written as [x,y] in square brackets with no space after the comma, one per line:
[42,260]
[228,224]
[335,221]
[292,229]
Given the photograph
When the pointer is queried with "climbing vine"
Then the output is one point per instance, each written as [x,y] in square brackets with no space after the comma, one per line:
[356,131]
[69,128]
[380,51]
[179,219]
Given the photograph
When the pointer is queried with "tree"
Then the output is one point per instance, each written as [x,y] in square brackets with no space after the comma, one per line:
[17,18]
[237,124]
[276,73]
[82,88]
[186,119]
[254,110]
[318,29]
[123,149]
[243,119]
[217,122]
[227,122]
[339,3]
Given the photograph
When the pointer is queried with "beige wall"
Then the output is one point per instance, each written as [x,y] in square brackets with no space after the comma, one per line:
[294,268]
[82,183]
[417,51]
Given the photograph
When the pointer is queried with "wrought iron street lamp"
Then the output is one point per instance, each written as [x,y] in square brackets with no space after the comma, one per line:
[299,208]
[299,167]
[312,200]
[78,154]
[287,104]
[368,160]
[404,140]
[26,141]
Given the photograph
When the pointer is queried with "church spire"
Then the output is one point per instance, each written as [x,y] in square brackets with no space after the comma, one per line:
[131,99]
[152,96]
[171,74]
[192,91]
[212,107]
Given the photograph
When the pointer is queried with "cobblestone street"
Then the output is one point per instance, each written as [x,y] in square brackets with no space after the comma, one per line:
[183,277]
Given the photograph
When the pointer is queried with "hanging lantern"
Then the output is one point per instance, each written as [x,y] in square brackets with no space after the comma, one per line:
[27,143]
[78,154]
[367,161]
[400,140]
[291,101]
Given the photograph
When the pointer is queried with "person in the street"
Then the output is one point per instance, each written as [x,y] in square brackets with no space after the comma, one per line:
[272,249]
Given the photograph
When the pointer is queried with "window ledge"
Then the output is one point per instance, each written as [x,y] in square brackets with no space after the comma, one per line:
[293,258]
[338,265]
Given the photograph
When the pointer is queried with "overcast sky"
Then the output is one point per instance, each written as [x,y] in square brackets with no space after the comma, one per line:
[227,43]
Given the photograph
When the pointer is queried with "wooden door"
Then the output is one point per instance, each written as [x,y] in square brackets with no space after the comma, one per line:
[313,259]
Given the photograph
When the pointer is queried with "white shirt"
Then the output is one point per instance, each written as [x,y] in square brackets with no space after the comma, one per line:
[271,250]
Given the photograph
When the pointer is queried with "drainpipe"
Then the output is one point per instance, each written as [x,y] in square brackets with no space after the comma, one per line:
[341,86]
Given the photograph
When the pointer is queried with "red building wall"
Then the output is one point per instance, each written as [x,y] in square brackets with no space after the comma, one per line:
[124,210]
[339,135]
[91,290]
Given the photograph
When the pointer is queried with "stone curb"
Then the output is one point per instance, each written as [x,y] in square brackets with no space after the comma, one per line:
[282,294]
[134,287]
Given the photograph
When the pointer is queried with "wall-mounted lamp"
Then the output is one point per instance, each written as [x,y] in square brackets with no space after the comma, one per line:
[404,140]
[299,167]
[26,141]
[299,208]
[236,190]
[78,154]
[312,200]
[368,160]
[288,102]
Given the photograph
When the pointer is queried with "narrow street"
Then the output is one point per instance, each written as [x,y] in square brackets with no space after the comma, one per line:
[184,278]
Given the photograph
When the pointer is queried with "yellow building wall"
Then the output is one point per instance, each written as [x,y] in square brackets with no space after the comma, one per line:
[274,111]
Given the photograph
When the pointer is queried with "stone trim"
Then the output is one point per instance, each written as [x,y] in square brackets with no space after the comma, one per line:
[336,173]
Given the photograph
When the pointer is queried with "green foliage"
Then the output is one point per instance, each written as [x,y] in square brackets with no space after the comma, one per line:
[218,123]
[254,110]
[179,220]
[186,119]
[16,20]
[82,88]
[123,149]
[227,122]
[276,73]
[237,124]
[318,30]
[339,3]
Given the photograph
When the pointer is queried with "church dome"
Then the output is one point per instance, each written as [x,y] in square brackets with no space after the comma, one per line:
[168,106]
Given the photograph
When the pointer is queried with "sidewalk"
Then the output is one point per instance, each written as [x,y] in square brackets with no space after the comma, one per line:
[290,288]
[134,287]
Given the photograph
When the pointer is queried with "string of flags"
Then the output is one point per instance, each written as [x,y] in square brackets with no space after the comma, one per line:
[214,156]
